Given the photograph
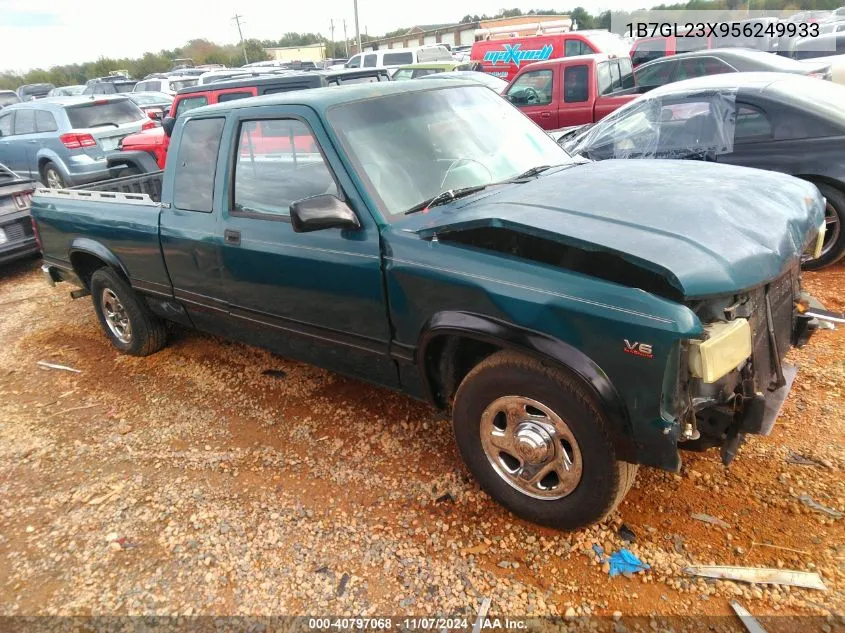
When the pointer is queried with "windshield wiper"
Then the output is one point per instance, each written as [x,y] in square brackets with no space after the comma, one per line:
[528,173]
[445,196]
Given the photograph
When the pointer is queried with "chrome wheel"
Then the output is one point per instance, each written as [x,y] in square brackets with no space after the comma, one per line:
[531,447]
[115,316]
[832,228]
[54,180]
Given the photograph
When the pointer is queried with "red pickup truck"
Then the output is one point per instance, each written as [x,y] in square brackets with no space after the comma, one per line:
[572,90]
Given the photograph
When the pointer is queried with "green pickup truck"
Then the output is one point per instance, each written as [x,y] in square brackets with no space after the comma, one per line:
[576,318]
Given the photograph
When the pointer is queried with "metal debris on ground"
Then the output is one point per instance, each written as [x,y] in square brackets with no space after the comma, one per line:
[759,575]
[748,620]
[626,534]
[622,562]
[482,614]
[797,458]
[445,497]
[808,501]
[700,516]
[46,365]
[785,549]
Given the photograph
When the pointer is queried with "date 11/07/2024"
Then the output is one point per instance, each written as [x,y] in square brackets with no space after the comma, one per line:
[722,29]
[416,624]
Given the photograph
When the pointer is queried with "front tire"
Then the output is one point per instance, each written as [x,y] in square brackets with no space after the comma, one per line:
[833,247]
[536,443]
[52,177]
[127,321]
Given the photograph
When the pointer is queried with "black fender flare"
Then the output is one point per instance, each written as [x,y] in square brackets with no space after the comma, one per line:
[96,249]
[540,346]
[132,158]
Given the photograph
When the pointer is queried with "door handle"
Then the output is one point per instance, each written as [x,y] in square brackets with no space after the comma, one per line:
[232,237]
[545,115]
[32,142]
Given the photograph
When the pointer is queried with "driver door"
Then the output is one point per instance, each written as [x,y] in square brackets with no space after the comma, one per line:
[533,93]
[316,296]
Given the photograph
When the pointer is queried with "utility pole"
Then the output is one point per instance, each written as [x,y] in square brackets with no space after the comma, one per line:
[357,30]
[331,28]
[345,38]
[237,19]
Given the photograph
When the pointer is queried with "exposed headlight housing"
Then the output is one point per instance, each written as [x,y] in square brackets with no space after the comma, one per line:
[726,347]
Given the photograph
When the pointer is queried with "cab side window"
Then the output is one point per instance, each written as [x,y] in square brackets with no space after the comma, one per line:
[575,88]
[278,163]
[196,165]
[355,62]
[370,60]
[532,88]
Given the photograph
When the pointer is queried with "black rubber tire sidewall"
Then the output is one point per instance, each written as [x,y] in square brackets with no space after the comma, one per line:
[837,200]
[50,166]
[598,491]
[148,332]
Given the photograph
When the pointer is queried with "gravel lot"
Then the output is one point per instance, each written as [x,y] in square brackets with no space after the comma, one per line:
[193,482]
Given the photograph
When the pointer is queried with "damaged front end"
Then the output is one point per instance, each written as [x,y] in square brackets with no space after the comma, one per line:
[736,377]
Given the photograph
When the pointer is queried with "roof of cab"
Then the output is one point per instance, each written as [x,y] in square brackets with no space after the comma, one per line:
[324,98]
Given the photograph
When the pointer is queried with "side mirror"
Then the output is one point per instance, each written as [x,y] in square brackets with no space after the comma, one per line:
[154,114]
[167,124]
[322,212]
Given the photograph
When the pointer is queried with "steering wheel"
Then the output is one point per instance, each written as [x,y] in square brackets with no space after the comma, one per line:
[457,162]
[531,95]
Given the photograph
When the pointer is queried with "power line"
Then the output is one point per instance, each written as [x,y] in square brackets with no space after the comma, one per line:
[237,20]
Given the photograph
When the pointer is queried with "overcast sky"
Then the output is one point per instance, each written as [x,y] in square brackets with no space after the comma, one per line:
[51,32]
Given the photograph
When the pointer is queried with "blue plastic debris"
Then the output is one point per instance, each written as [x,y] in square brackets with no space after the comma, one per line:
[621,562]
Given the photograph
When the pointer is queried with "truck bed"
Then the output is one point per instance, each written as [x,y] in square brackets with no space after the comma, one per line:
[149,184]
[120,216]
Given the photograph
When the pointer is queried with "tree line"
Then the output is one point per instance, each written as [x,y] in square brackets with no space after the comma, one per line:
[203,51]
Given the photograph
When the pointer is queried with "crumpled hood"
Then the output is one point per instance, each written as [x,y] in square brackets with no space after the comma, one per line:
[708,228]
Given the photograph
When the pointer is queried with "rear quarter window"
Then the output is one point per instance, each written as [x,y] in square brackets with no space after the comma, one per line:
[233,96]
[196,165]
[395,59]
[45,121]
[103,114]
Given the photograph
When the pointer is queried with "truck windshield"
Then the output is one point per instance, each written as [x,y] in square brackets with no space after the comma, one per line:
[412,146]
[99,113]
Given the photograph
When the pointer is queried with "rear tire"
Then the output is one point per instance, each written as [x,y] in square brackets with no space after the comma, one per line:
[834,241]
[514,417]
[130,325]
[52,177]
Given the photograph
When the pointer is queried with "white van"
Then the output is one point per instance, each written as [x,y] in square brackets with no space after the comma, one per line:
[400,57]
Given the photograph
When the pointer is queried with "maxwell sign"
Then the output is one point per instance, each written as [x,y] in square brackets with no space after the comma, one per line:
[513,54]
